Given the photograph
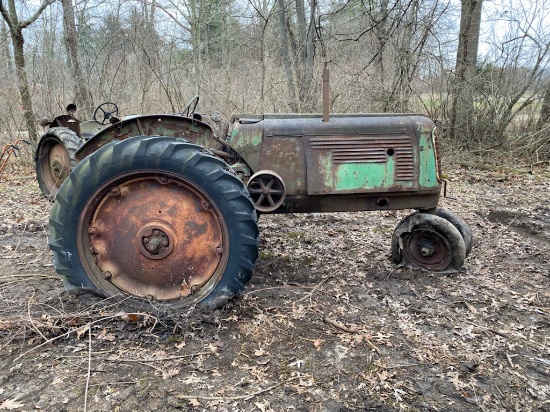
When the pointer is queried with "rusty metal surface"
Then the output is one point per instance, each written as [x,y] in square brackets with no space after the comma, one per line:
[331,148]
[154,236]
[426,249]
[67,121]
[267,190]
[194,131]
[8,150]
[58,164]
[362,201]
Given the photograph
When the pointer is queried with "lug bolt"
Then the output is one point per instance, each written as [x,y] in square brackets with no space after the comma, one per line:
[92,230]
[107,275]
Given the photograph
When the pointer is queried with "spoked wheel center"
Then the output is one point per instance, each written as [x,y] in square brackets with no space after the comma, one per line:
[267,190]
[153,236]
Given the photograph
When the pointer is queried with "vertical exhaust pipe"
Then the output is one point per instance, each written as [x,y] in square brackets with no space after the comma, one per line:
[326,90]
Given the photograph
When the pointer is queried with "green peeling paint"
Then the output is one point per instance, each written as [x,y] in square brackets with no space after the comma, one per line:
[428,166]
[358,176]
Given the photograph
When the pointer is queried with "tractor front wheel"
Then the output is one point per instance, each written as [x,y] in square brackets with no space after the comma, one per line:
[155,221]
[429,242]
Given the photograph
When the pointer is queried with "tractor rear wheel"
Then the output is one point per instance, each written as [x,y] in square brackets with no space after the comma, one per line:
[429,242]
[157,221]
[55,158]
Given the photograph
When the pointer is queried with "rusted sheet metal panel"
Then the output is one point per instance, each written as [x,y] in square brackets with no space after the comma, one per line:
[289,153]
[247,138]
[362,201]
[191,130]
[353,153]
[169,242]
[356,164]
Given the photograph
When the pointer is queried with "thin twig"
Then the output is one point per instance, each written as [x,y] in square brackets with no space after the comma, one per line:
[509,359]
[341,326]
[240,397]
[167,358]
[30,275]
[354,329]
[89,369]
[89,324]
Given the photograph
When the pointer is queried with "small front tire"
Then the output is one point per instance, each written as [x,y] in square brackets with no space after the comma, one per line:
[430,242]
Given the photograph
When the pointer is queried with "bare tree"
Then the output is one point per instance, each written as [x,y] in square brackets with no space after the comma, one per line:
[70,37]
[16,27]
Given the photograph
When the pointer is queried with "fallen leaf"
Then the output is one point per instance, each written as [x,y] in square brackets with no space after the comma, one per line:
[11,404]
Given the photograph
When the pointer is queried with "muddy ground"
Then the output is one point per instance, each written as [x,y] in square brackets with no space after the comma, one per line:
[327,322]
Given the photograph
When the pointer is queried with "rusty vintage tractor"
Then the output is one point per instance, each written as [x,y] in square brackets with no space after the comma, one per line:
[162,210]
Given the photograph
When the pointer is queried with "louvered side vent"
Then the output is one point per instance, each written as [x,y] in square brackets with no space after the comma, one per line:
[371,149]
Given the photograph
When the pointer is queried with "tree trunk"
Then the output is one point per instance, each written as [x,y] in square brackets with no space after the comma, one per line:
[7,51]
[285,55]
[23,83]
[544,116]
[16,27]
[462,119]
[83,97]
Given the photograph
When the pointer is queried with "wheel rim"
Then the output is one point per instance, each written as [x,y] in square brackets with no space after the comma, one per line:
[56,165]
[153,235]
[267,191]
[427,249]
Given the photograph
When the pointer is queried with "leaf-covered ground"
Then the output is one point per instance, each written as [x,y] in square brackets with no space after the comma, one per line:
[327,322]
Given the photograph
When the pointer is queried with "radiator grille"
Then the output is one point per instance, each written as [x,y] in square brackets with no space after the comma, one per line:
[370,149]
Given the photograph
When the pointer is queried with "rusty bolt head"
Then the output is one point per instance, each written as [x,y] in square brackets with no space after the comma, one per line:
[206,205]
[164,243]
[155,232]
[115,191]
[107,275]
[163,180]
[219,250]
[92,230]
[194,289]
[145,240]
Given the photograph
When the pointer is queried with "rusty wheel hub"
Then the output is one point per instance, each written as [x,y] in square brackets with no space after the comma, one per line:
[427,249]
[58,164]
[153,236]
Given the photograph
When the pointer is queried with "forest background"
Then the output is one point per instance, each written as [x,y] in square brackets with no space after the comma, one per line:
[480,69]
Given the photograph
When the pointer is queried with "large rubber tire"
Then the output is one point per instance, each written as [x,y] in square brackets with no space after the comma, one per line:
[461,225]
[55,158]
[116,197]
[429,242]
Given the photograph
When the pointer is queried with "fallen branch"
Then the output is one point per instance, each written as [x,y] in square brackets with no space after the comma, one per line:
[354,329]
[167,358]
[341,326]
[88,325]
[240,397]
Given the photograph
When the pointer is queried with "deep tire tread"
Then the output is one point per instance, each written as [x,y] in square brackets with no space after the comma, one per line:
[70,141]
[172,156]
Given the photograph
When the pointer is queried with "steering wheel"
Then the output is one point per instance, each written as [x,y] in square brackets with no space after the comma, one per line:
[106,110]
[189,109]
